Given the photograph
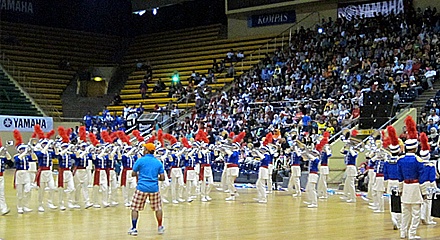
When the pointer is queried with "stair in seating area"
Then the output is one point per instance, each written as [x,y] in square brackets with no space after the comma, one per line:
[184,51]
[420,102]
[13,101]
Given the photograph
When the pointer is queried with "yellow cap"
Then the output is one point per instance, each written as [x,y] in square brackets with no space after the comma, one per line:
[149,146]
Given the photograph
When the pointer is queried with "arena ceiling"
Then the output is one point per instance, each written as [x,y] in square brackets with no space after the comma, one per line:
[150,4]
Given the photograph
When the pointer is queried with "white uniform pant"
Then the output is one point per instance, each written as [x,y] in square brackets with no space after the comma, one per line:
[100,186]
[224,179]
[89,169]
[191,183]
[349,188]
[294,180]
[410,219]
[263,176]
[32,173]
[81,180]
[46,183]
[3,206]
[322,182]
[113,189]
[378,189]
[396,218]
[23,187]
[207,181]
[269,179]
[176,183]
[68,189]
[232,175]
[311,188]
[130,186]
[371,180]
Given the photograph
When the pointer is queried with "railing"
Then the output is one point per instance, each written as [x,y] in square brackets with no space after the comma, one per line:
[13,71]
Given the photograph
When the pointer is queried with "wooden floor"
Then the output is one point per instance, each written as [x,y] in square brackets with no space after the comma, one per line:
[283,217]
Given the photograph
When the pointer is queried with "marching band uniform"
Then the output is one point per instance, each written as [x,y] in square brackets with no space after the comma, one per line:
[272,151]
[205,158]
[111,175]
[81,176]
[4,156]
[295,171]
[162,155]
[379,186]
[312,180]
[65,176]
[370,168]
[100,180]
[427,182]
[350,172]
[128,182]
[190,177]
[44,177]
[22,179]
[177,184]
[263,175]
[233,171]
[391,178]
[410,168]
[324,172]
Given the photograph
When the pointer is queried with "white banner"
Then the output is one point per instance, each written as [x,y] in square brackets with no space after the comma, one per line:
[369,10]
[24,123]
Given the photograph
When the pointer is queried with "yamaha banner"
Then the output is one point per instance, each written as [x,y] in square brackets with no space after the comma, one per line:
[25,124]
[370,9]
[271,19]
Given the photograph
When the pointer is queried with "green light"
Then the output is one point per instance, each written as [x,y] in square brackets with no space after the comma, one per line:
[175,78]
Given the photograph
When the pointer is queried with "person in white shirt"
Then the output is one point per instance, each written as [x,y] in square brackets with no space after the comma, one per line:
[435,118]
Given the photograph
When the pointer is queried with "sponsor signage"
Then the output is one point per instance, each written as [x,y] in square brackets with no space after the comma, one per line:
[370,9]
[271,19]
[24,123]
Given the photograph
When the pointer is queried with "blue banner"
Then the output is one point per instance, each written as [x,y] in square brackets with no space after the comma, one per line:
[271,19]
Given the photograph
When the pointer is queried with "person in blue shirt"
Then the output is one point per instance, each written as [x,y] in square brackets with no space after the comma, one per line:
[149,171]
[88,120]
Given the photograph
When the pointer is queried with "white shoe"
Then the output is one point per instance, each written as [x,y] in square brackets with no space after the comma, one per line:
[219,189]
[226,191]
[26,209]
[161,230]
[181,200]
[378,211]
[262,201]
[41,209]
[351,201]
[105,204]
[97,206]
[312,206]
[415,237]
[296,195]
[431,223]
[20,210]
[51,206]
[372,207]
[307,203]
[88,205]
[62,208]
[5,211]
[402,235]
[175,202]
[133,232]
[372,204]
[127,204]
[208,198]
[365,199]
[114,203]
[323,197]
[70,205]
[165,201]
[231,198]
[76,206]
[204,199]
[343,198]
[90,186]
[190,200]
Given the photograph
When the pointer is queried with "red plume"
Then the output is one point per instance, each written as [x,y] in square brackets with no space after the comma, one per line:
[105,136]
[138,135]
[170,138]
[268,139]
[151,139]
[239,137]
[18,138]
[69,132]
[93,139]
[38,131]
[231,135]
[113,136]
[326,134]
[185,142]
[354,133]
[124,138]
[50,134]
[386,140]
[63,134]
[202,136]
[411,128]
[160,137]
[392,135]
[34,135]
[424,142]
[82,134]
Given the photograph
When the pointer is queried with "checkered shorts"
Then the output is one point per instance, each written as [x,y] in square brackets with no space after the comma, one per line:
[139,199]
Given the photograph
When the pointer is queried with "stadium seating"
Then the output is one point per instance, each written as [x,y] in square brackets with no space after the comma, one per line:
[184,51]
[37,51]
[13,101]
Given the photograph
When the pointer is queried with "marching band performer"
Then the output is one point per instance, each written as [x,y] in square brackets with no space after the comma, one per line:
[66,185]
[100,180]
[295,170]
[111,159]
[427,180]
[162,155]
[325,153]
[313,157]
[190,176]
[4,156]
[379,186]
[22,181]
[177,185]
[371,146]
[81,178]
[410,166]
[205,157]
[350,152]
[391,174]
[44,177]
[263,173]
[128,182]
[232,170]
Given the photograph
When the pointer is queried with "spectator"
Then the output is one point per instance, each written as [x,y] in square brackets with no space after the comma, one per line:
[160,86]
[140,109]
[433,116]
[88,120]
[143,88]
[431,124]
[117,100]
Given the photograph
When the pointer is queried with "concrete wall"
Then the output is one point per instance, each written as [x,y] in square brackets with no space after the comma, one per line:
[7,136]
[336,162]
[238,26]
